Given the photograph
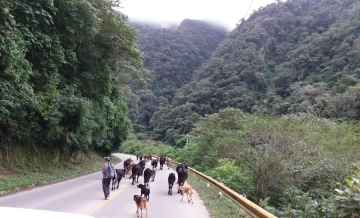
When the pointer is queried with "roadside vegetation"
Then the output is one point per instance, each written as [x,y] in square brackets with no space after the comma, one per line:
[63,65]
[295,161]
[22,177]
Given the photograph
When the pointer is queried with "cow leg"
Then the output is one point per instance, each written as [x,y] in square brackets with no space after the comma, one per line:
[118,183]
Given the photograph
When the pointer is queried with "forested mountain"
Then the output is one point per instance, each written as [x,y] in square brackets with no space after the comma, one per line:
[294,56]
[172,56]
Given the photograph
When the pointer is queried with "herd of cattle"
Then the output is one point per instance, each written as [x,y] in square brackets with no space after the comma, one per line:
[138,169]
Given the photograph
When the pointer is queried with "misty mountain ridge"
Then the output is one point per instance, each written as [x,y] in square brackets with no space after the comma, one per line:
[290,57]
[172,57]
[173,24]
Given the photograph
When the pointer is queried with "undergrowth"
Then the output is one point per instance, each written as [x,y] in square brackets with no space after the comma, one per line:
[20,179]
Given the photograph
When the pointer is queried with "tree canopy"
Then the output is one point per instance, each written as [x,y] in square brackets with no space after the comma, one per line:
[172,56]
[63,64]
[294,56]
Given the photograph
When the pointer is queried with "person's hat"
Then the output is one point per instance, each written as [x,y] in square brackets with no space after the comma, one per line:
[107,158]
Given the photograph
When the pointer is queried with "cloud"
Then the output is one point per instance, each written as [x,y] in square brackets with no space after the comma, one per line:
[172,12]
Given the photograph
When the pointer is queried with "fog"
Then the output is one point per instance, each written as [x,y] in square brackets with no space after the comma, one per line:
[169,13]
[168,24]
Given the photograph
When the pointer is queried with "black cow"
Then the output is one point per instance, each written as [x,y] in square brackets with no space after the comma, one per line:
[182,171]
[147,175]
[136,171]
[144,191]
[162,162]
[142,164]
[171,180]
[154,163]
[120,173]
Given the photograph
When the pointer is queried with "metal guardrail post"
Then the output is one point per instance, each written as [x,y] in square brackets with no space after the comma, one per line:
[247,205]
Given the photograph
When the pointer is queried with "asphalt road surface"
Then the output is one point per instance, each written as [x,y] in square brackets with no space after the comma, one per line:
[84,195]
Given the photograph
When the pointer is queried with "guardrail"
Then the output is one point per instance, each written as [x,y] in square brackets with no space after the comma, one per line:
[247,205]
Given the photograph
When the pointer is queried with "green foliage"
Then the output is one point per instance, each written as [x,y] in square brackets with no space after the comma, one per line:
[303,206]
[172,57]
[181,142]
[276,157]
[236,177]
[138,146]
[142,136]
[294,56]
[62,67]
[217,207]
[348,198]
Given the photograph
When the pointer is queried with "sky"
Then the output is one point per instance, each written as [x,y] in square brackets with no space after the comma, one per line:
[164,12]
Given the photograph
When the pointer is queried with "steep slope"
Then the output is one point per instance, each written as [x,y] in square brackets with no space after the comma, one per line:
[295,56]
[172,57]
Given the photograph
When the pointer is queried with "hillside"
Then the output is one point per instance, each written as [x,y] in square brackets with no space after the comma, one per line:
[294,56]
[172,57]
[60,87]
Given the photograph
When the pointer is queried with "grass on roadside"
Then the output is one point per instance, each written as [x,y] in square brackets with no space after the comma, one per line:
[24,179]
[218,208]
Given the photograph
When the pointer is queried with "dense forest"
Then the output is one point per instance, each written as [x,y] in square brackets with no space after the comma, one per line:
[172,56]
[295,56]
[63,64]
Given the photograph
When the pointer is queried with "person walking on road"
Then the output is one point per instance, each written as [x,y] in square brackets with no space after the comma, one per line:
[106,177]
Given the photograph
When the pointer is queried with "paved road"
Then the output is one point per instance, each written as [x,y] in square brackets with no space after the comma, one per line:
[84,195]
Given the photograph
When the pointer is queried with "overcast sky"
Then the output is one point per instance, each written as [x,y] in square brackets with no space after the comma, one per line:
[227,11]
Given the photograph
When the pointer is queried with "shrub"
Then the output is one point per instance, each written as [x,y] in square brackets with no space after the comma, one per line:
[348,199]
[237,177]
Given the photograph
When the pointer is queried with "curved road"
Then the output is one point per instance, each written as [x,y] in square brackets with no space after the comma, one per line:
[84,195]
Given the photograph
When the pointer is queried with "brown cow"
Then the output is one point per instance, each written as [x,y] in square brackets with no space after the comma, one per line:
[141,203]
[168,162]
[153,174]
[131,166]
